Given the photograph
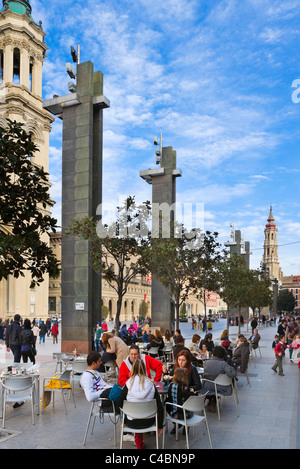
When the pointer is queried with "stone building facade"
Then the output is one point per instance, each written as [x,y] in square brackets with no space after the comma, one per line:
[22,53]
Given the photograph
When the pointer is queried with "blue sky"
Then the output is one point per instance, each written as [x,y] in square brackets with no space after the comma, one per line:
[215,78]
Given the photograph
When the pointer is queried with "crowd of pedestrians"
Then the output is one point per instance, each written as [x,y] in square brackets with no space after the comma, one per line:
[21,336]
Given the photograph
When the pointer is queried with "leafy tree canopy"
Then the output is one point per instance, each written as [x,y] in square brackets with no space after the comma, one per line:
[24,205]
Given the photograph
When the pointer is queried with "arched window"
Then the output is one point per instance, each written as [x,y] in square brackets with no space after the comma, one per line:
[16,66]
[31,64]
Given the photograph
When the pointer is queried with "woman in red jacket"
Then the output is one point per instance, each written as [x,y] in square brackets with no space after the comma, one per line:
[54,332]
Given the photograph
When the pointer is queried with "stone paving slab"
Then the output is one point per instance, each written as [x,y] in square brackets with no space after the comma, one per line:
[270,405]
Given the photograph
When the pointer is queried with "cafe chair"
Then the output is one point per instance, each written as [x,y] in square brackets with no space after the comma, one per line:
[61,360]
[18,389]
[95,411]
[77,369]
[111,371]
[59,384]
[224,380]
[153,351]
[168,352]
[139,410]
[194,404]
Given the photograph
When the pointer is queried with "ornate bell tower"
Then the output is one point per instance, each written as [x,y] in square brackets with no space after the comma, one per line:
[270,256]
[22,52]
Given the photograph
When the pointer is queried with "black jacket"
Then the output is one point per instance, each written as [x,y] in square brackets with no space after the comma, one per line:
[13,335]
[27,337]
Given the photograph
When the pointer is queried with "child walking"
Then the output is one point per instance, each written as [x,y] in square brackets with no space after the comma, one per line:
[279,353]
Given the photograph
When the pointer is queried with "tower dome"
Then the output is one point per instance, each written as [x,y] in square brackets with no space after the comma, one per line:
[17,6]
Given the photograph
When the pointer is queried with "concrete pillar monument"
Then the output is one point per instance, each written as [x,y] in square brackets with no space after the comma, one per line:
[163,181]
[82,115]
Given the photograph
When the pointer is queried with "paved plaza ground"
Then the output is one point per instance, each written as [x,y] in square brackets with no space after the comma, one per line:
[269,416]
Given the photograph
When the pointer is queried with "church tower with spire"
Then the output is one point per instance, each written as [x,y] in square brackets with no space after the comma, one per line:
[22,52]
[270,257]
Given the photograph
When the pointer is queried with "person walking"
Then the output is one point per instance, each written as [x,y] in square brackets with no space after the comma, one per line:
[35,329]
[27,343]
[54,332]
[43,331]
[13,338]
[279,353]
[253,324]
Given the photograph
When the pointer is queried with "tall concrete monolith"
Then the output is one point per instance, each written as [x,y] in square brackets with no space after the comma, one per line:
[82,115]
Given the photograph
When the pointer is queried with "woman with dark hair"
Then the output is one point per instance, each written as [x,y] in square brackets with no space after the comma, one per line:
[183,360]
[27,342]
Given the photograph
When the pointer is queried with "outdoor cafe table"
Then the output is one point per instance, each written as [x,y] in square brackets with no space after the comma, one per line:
[19,375]
[162,389]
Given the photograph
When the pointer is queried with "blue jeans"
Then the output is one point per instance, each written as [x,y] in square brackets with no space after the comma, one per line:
[42,337]
[16,352]
[98,345]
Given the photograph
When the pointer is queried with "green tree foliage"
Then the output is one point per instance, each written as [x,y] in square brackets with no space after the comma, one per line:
[259,294]
[234,279]
[120,244]
[24,197]
[286,301]
[204,267]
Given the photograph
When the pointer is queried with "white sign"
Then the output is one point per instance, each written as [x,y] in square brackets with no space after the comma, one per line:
[79,306]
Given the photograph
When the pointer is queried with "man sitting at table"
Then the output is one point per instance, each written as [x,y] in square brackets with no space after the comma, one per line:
[134,354]
[91,381]
[254,339]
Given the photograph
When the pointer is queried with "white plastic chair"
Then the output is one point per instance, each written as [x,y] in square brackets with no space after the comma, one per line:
[139,410]
[95,412]
[77,369]
[61,359]
[258,348]
[17,390]
[194,404]
[66,376]
[152,351]
[168,351]
[111,369]
[223,380]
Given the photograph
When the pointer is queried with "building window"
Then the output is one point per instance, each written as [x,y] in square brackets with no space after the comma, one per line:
[31,63]
[16,66]
[52,303]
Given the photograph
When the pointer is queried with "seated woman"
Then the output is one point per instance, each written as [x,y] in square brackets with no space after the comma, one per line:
[183,360]
[240,355]
[139,388]
[224,335]
[208,342]
[145,337]
[213,368]
[125,335]
[156,340]
[204,353]
[194,345]
[168,338]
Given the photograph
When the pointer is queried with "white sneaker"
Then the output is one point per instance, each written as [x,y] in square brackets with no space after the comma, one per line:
[128,437]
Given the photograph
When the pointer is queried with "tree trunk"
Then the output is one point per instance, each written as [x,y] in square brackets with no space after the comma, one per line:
[117,321]
[177,314]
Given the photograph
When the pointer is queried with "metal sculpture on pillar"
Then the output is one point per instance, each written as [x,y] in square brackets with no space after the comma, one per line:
[82,115]
[163,181]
